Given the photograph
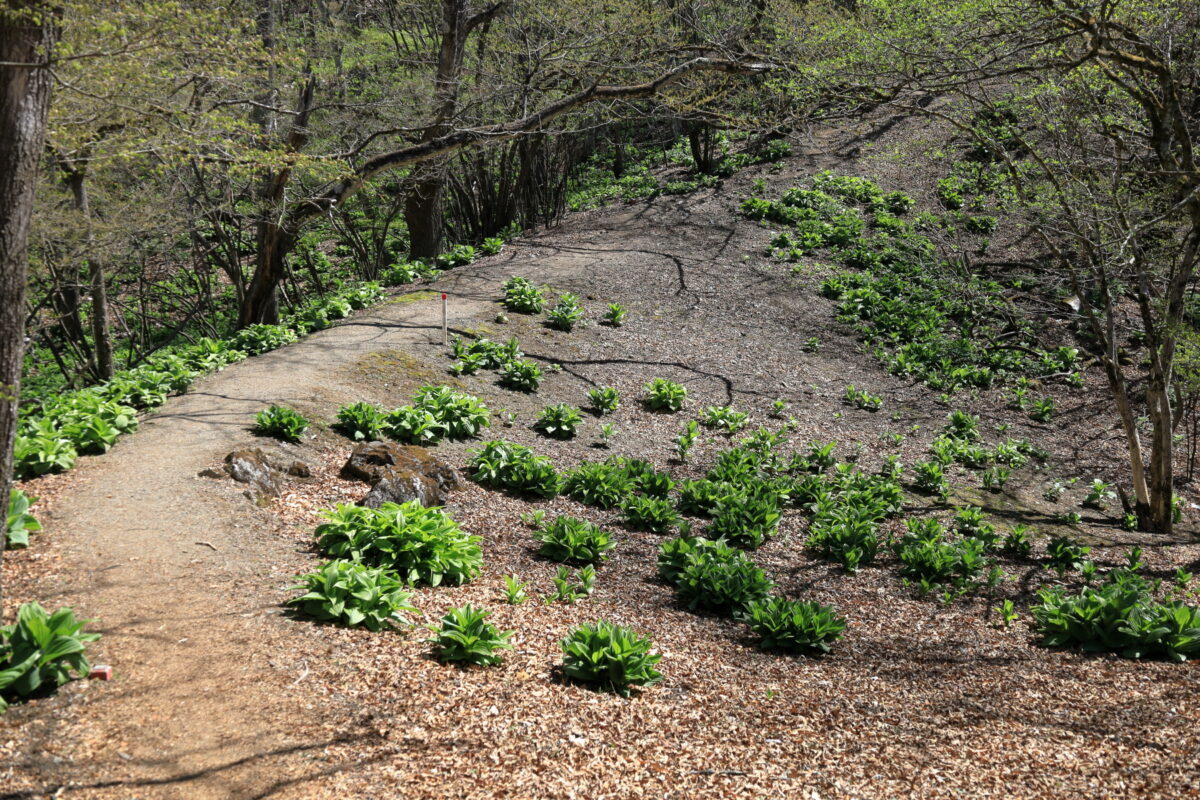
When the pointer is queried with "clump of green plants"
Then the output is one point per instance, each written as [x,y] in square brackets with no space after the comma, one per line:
[351,593]
[522,375]
[466,637]
[1121,615]
[1042,410]
[257,339]
[507,465]
[745,519]
[1064,554]
[1017,542]
[664,395]
[653,514]
[604,399]
[491,245]
[566,314]
[20,523]
[615,315]
[686,440]
[516,591]
[559,421]
[457,256]
[725,418]
[523,296]
[280,422]
[574,541]
[360,421]
[609,657]
[1099,495]
[421,545]
[862,399]
[41,650]
[568,588]
[713,576]
[936,562]
[794,626]
[930,477]
[461,415]
[845,532]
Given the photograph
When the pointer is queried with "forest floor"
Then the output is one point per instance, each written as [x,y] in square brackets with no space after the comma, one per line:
[219,692]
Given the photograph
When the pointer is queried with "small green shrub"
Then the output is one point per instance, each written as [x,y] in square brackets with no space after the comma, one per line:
[931,477]
[664,395]
[746,520]
[491,245]
[281,423]
[559,421]
[412,425]
[522,375]
[929,557]
[457,256]
[605,399]
[686,440]
[41,649]
[351,593]
[845,533]
[566,314]
[609,657]
[20,522]
[1121,616]
[460,415]
[794,626]
[466,637]
[653,514]
[574,541]
[568,588]
[41,455]
[522,296]
[615,315]
[505,465]
[360,421]
[256,339]
[719,578]
[515,590]
[423,545]
[1065,554]
[862,399]
[601,485]
[724,417]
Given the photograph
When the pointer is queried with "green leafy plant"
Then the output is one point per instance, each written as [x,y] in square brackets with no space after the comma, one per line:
[845,532]
[1065,554]
[718,578]
[962,426]
[931,477]
[466,637]
[1043,410]
[506,465]
[41,649]
[34,456]
[862,399]
[280,422]
[724,417]
[256,339]
[574,541]
[1018,542]
[615,315]
[604,399]
[566,314]
[360,421]
[352,593]
[422,545]
[610,657]
[1121,615]
[522,375]
[522,296]
[460,415]
[664,395]
[794,626]
[601,485]
[607,432]
[653,514]
[515,590]
[1099,495]
[20,522]
[746,519]
[491,245]
[686,440]
[558,421]
[568,588]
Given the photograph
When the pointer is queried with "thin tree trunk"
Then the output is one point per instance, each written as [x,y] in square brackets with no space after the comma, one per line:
[26,38]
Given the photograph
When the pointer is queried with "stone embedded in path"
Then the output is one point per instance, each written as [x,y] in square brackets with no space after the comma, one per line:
[252,466]
[399,473]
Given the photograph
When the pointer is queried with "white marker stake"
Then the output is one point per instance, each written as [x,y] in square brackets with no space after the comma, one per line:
[445,329]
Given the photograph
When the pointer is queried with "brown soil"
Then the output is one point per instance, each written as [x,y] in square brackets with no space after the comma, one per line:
[219,693]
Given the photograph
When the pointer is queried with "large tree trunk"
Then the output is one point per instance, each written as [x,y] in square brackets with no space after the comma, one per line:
[423,215]
[261,304]
[26,38]
[102,367]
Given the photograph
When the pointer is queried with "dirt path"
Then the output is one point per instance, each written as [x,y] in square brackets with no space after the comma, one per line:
[170,568]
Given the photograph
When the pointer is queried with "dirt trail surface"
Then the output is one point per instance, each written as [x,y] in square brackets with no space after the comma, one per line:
[218,694]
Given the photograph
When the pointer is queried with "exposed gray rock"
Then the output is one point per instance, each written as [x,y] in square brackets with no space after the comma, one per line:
[252,467]
[399,473]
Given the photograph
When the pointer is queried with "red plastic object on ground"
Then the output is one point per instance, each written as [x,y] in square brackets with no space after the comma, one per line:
[101,672]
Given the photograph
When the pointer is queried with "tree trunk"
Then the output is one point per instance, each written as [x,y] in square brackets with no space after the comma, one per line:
[261,304]
[102,368]
[26,38]
[423,215]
